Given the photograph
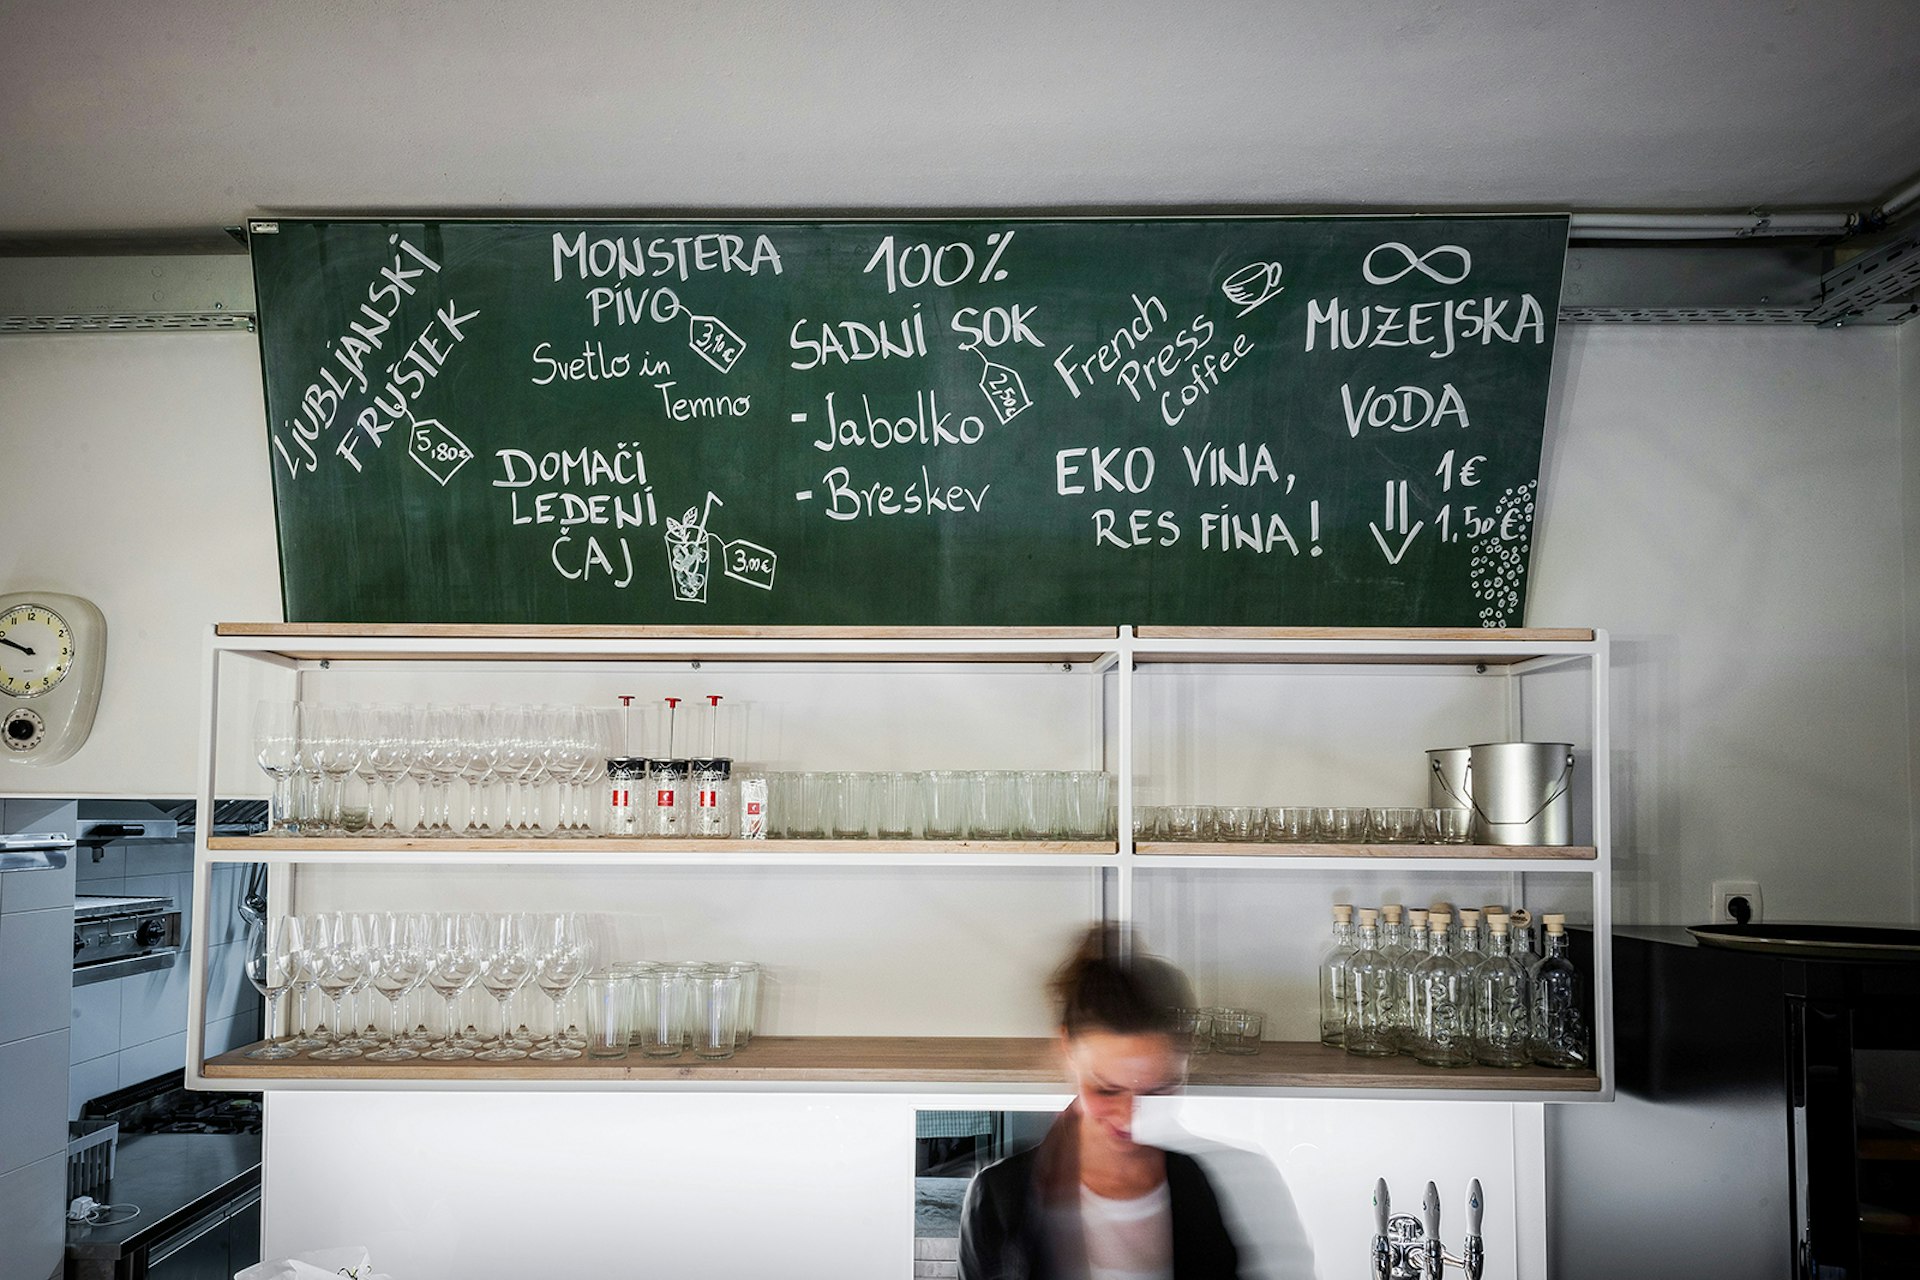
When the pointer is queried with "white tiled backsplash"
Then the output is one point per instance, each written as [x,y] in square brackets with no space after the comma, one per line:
[130,1029]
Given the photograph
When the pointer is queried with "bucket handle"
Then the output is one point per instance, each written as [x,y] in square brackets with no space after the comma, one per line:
[1445,786]
[1561,782]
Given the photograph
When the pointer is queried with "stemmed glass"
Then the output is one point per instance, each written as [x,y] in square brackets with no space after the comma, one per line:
[561,959]
[389,754]
[337,754]
[567,762]
[273,946]
[430,745]
[448,760]
[311,749]
[340,960]
[306,978]
[397,962]
[538,726]
[454,959]
[276,739]
[507,962]
[481,732]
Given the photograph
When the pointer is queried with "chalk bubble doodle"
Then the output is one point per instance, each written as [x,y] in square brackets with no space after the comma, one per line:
[1421,262]
[1498,566]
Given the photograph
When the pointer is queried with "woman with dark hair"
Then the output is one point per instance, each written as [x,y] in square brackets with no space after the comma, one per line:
[1090,1203]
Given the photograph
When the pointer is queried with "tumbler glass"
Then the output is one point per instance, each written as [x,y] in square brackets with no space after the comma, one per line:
[1180,822]
[990,805]
[609,1013]
[1240,823]
[1086,798]
[1036,804]
[896,805]
[715,1007]
[660,1011]
[1148,822]
[1194,1027]
[1448,826]
[1237,1030]
[943,804]
[1291,825]
[819,800]
[1403,826]
[853,815]
[749,1012]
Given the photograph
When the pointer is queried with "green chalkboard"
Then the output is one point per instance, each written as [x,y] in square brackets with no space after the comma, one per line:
[1234,421]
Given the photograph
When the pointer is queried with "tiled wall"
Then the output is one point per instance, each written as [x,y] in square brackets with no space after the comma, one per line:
[130,1029]
[36,949]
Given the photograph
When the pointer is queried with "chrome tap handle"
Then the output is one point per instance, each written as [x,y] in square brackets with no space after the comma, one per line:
[1474,1252]
[1382,1251]
[1433,1259]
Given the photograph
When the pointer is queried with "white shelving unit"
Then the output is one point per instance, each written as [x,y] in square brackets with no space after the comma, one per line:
[1160,707]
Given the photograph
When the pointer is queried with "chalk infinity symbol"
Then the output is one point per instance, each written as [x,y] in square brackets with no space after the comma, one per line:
[1417,262]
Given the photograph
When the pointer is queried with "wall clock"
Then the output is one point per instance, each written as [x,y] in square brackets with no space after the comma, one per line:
[53,651]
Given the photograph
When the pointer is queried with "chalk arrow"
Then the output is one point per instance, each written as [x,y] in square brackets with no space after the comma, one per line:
[1394,557]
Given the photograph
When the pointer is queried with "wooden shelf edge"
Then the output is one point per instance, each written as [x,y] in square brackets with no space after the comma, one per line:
[620,844]
[577,631]
[1505,635]
[1382,852]
[926,1060]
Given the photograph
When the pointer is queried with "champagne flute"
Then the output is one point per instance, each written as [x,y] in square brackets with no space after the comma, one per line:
[397,962]
[276,744]
[454,965]
[561,960]
[506,965]
[273,946]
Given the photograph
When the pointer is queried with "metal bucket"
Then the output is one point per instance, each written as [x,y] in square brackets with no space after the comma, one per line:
[1521,792]
[1447,778]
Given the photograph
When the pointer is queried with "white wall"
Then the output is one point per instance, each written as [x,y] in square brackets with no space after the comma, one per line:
[1727,502]
[1910,488]
[136,476]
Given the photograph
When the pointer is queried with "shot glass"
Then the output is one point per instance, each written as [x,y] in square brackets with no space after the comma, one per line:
[896,805]
[943,804]
[1237,1030]
[715,1006]
[609,1013]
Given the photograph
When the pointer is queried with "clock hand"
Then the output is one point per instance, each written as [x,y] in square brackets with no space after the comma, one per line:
[15,644]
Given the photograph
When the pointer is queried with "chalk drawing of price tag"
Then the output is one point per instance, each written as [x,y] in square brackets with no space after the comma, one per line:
[713,342]
[1004,390]
[439,452]
[748,562]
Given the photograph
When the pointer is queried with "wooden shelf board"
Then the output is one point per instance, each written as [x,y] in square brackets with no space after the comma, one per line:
[1419,646]
[852,849]
[1478,635]
[929,1060]
[577,631]
[1384,852]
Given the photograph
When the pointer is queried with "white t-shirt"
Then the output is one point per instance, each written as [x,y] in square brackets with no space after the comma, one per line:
[1129,1239]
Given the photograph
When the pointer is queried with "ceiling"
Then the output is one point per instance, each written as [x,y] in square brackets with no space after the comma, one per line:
[145,120]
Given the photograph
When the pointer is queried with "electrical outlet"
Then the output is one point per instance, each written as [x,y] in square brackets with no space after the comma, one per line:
[1725,891]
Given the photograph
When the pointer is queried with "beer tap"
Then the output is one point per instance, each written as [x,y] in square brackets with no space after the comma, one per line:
[1409,1248]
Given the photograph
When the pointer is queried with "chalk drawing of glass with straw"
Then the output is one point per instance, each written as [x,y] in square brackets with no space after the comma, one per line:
[688,559]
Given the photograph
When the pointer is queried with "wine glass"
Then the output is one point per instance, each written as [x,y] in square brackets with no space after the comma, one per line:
[336,754]
[311,749]
[448,760]
[506,964]
[561,959]
[454,958]
[539,726]
[272,947]
[306,979]
[514,758]
[567,763]
[276,739]
[397,962]
[340,960]
[482,729]
[426,745]
[389,755]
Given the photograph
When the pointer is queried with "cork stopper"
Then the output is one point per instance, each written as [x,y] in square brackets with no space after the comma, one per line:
[1417,918]
[1555,922]
[1390,913]
[1439,920]
[1494,909]
[1368,916]
[1343,913]
[1497,923]
[1439,907]
[1469,918]
[1520,917]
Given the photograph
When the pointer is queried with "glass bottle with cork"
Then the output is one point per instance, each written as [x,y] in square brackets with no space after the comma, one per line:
[1335,980]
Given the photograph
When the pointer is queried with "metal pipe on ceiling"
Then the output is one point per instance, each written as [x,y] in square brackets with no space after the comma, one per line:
[1708,226]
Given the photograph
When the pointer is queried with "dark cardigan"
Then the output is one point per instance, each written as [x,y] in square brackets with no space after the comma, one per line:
[1021,1220]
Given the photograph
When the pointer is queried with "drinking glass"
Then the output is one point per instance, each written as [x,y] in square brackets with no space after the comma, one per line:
[358,1036]
[389,753]
[1086,801]
[896,805]
[340,960]
[715,1006]
[609,1013]
[1036,804]
[336,753]
[397,961]
[1403,826]
[566,761]
[1240,823]
[514,760]
[276,741]
[1149,822]
[306,980]
[446,759]
[423,751]
[507,962]
[541,731]
[1297,826]
[273,945]
[1180,822]
[990,805]
[561,958]
[853,814]
[1448,826]
[311,748]
[478,753]
[455,951]
[659,1011]
[749,974]
[1237,1030]
[943,804]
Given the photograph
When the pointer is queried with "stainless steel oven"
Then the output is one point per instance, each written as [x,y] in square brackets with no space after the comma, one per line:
[113,937]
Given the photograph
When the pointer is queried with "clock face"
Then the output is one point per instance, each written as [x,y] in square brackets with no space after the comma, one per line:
[36,650]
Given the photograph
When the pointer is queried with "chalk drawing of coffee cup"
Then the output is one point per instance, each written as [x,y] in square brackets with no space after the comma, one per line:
[688,559]
[1252,285]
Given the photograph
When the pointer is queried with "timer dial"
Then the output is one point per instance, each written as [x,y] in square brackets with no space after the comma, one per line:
[36,650]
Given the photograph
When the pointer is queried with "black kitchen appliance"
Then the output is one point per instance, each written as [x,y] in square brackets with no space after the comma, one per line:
[1767,1123]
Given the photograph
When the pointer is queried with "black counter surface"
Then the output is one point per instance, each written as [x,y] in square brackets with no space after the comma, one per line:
[173,1177]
